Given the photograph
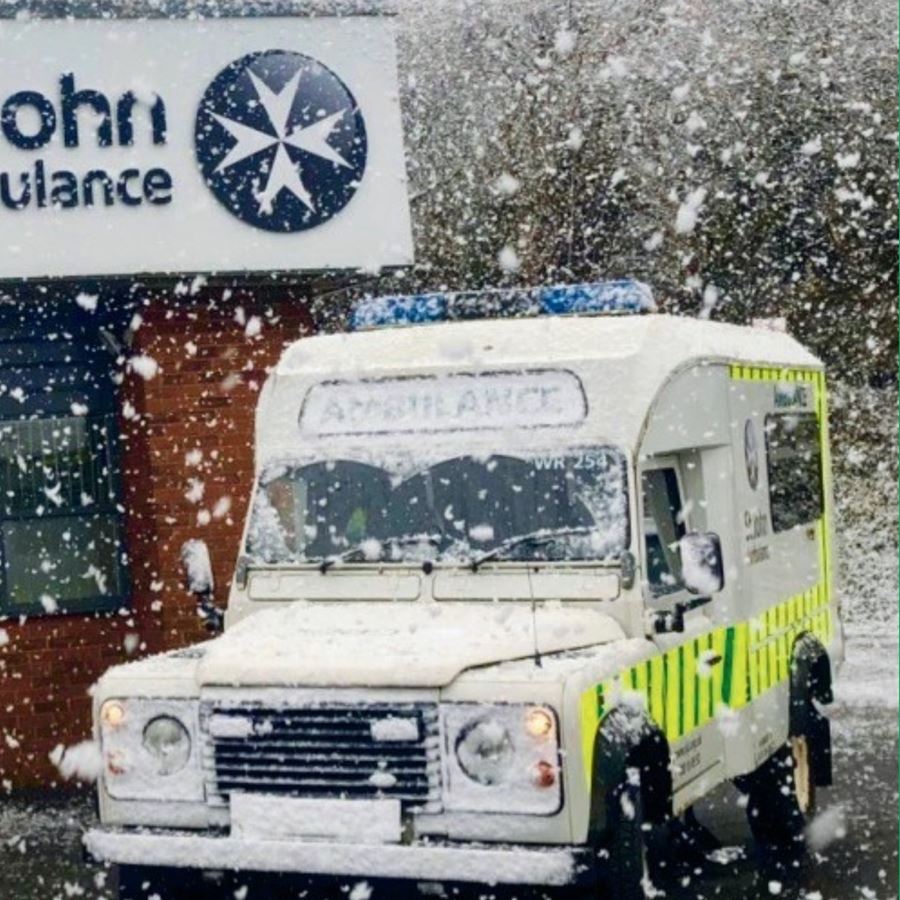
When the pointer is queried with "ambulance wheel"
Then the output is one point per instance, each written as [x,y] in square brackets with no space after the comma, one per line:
[773,805]
[632,859]
[153,883]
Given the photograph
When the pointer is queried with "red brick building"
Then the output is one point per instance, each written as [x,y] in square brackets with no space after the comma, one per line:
[188,425]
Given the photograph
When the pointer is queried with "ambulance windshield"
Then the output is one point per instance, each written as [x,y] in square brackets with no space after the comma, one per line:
[570,505]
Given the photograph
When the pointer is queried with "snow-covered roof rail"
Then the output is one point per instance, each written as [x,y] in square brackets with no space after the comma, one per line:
[193,9]
[602,297]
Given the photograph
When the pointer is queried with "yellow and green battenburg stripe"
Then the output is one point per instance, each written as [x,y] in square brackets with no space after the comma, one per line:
[680,688]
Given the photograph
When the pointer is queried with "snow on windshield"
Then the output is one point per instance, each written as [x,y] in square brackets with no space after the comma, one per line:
[560,505]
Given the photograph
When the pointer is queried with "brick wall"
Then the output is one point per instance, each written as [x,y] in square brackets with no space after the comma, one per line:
[192,420]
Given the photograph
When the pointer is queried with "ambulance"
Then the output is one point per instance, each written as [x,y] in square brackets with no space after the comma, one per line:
[526,575]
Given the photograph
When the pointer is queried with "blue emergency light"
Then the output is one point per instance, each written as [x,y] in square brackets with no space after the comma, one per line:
[602,297]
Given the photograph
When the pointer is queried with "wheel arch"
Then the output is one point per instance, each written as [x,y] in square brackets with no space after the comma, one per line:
[627,738]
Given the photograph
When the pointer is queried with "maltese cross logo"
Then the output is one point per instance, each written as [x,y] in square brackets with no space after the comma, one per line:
[281,141]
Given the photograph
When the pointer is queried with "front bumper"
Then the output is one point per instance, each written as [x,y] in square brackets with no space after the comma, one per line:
[478,863]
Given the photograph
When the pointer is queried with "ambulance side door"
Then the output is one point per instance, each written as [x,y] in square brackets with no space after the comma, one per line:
[686,473]
[686,673]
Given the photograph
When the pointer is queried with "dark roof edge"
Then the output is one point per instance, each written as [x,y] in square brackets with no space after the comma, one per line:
[190,9]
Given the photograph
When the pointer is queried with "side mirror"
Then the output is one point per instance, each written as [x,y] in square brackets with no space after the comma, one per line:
[701,563]
[199,580]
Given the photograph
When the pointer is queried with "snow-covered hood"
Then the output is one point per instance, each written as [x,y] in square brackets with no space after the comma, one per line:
[391,644]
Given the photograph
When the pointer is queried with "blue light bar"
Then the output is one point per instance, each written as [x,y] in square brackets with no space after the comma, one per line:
[603,297]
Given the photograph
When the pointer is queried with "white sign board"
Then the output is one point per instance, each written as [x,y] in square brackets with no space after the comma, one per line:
[481,401]
[225,145]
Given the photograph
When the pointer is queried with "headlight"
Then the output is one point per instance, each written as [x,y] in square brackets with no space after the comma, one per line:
[148,748]
[168,741]
[484,749]
[501,758]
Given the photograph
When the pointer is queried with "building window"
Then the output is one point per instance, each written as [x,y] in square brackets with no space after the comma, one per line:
[663,528]
[61,515]
[794,464]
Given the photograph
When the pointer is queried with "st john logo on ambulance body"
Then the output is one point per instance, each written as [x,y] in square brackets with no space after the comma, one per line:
[281,141]
[182,146]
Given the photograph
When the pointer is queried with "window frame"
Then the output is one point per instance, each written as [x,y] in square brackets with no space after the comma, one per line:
[681,594]
[809,415]
[30,357]
[621,458]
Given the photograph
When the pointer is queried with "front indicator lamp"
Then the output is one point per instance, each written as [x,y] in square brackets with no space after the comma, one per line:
[543,774]
[112,714]
[115,762]
[539,723]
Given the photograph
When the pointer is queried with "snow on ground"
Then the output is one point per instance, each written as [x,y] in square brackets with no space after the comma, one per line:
[869,675]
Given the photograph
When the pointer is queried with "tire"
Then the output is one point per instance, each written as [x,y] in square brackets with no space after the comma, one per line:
[631,862]
[773,810]
[142,883]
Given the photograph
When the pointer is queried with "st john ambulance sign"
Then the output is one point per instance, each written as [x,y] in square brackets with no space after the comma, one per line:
[228,145]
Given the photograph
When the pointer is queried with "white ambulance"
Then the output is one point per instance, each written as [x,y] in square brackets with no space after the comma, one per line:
[514,594]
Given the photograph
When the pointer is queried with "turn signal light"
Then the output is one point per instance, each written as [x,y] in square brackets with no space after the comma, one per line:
[112,714]
[115,762]
[539,723]
[543,774]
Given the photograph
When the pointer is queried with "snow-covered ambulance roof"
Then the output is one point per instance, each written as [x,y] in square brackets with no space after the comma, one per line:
[622,361]
[658,343]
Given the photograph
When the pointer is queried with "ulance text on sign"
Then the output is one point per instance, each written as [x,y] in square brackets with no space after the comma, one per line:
[30,121]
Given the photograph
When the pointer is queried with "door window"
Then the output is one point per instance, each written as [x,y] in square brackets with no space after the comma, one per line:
[663,528]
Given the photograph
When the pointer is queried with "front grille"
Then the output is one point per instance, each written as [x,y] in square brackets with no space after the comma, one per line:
[334,751]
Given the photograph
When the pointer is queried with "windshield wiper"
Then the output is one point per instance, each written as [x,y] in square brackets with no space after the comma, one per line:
[357,552]
[532,539]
